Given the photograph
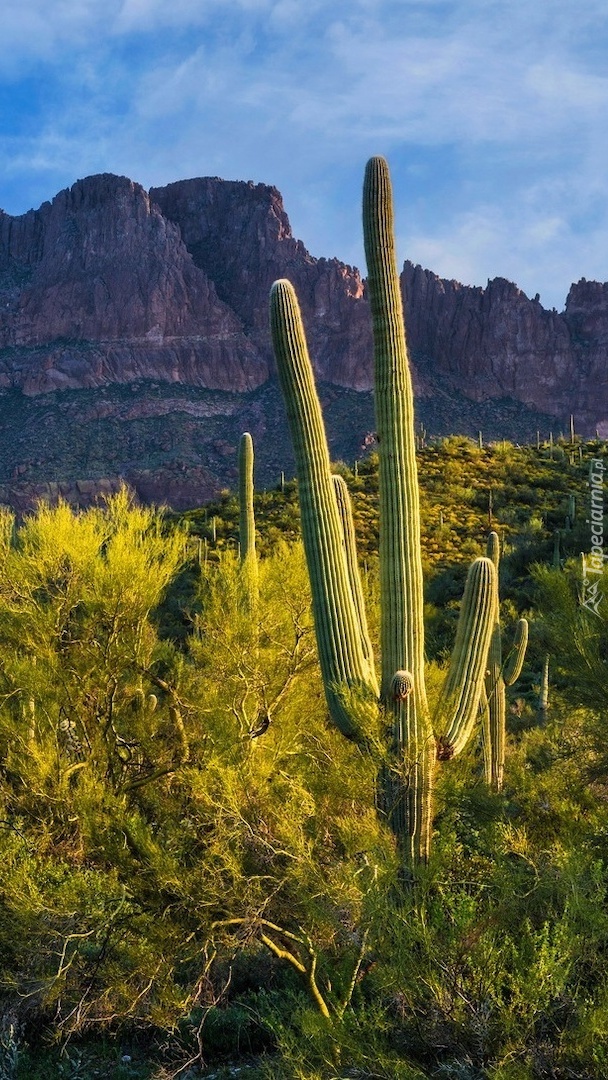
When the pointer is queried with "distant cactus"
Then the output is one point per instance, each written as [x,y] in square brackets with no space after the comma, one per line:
[500,674]
[346,663]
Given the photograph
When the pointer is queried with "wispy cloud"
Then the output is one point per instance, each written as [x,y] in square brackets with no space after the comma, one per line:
[493,113]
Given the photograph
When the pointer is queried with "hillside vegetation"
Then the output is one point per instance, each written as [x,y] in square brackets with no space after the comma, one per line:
[194,875]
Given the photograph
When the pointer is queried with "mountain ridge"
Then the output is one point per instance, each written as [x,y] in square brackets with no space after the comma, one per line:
[110,286]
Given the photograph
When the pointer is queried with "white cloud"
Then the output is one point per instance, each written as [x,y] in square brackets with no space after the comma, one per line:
[512,98]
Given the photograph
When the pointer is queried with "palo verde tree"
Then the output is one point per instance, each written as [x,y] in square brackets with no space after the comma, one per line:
[355,698]
[79,682]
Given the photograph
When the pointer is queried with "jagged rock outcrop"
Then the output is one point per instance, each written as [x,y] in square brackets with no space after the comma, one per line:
[165,294]
[240,235]
[111,284]
[496,342]
[98,287]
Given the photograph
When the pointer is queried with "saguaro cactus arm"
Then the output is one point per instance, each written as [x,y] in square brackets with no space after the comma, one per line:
[515,660]
[462,690]
[350,548]
[343,665]
[500,674]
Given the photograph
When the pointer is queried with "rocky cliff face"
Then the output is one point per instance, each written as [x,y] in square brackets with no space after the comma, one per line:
[98,287]
[110,286]
[495,343]
[240,236]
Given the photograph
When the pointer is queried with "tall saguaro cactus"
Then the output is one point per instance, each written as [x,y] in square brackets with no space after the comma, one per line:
[346,662]
[500,674]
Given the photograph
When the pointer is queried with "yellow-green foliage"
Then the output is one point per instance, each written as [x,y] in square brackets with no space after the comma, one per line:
[146,852]
[77,643]
[137,843]
[530,499]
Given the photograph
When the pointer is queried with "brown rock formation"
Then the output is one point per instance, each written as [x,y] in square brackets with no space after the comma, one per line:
[110,287]
[100,284]
[239,234]
[494,342]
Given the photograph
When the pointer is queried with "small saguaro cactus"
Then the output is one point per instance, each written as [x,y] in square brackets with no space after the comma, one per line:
[347,666]
[557,557]
[249,565]
[500,674]
[543,697]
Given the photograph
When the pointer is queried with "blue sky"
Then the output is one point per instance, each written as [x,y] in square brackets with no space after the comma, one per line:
[493,115]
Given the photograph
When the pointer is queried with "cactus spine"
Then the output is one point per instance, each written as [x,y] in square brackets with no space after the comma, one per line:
[346,664]
[500,674]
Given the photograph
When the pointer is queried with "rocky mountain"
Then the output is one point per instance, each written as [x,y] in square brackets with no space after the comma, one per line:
[134,343]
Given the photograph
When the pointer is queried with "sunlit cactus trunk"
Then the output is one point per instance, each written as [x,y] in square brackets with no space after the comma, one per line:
[401,583]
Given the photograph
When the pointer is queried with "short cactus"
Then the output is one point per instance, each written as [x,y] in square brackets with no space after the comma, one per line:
[249,565]
[345,656]
[500,674]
